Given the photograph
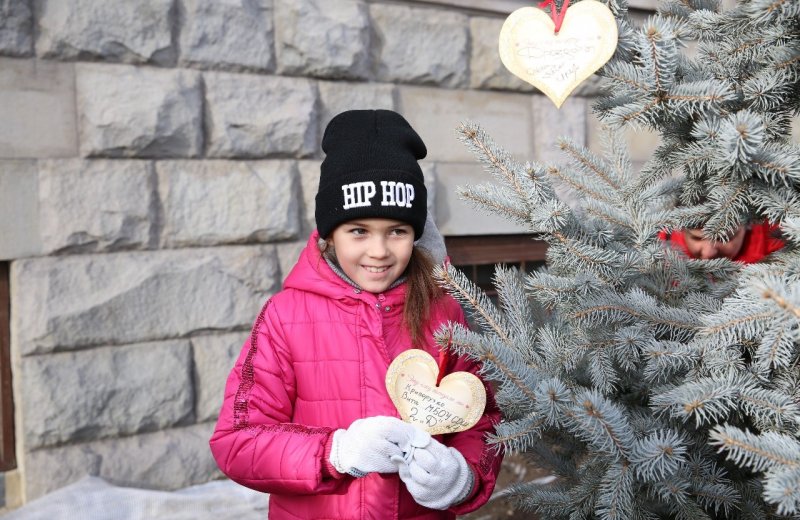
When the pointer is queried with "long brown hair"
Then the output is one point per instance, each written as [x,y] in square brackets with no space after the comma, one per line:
[421,291]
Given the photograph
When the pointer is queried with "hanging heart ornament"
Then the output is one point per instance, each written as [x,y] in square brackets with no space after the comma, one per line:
[453,406]
[556,63]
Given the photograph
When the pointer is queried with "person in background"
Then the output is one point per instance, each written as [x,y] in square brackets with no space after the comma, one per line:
[748,245]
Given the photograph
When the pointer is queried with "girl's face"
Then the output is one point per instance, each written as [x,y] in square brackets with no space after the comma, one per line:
[373,252]
[700,247]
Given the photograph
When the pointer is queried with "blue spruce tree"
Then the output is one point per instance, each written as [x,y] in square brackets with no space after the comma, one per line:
[653,385]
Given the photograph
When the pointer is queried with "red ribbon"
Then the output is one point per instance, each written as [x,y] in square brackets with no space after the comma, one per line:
[558,17]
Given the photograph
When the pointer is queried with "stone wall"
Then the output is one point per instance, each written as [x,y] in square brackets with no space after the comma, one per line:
[158,163]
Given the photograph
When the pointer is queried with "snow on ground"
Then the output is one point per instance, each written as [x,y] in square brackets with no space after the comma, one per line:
[92,498]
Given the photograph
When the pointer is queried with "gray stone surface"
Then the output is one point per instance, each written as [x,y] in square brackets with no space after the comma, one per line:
[452,212]
[325,38]
[139,111]
[61,303]
[288,253]
[259,116]
[168,459]
[309,182]
[551,123]
[486,69]
[420,45]
[111,30]
[227,34]
[37,109]
[338,96]
[640,142]
[96,205]
[19,209]
[217,202]
[16,27]
[429,171]
[436,113]
[214,357]
[106,392]
[591,86]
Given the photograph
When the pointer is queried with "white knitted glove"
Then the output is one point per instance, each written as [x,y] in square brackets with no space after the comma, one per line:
[368,445]
[437,477]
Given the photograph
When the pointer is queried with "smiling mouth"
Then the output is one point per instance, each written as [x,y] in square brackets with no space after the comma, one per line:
[375,269]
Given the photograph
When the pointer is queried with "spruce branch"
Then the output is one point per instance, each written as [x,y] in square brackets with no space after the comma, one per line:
[463,290]
[518,435]
[615,501]
[622,356]
[707,400]
[758,452]
[557,173]
[589,163]
[601,423]
[658,455]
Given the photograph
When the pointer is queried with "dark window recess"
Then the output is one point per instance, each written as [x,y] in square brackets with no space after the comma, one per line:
[7,457]
[476,256]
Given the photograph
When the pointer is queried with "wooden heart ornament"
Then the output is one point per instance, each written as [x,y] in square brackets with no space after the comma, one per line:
[556,63]
[453,406]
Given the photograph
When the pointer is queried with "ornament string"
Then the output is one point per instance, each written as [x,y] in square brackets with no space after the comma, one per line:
[557,16]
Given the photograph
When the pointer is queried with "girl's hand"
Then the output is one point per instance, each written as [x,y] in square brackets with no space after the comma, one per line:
[368,445]
[437,477]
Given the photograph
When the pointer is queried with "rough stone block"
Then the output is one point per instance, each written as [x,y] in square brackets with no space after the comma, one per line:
[551,123]
[436,113]
[325,38]
[486,69]
[168,459]
[259,116]
[228,34]
[111,30]
[214,357]
[122,298]
[336,97]
[139,111]
[19,209]
[309,183]
[98,393]
[37,108]
[216,202]
[452,212]
[288,254]
[592,86]
[429,171]
[420,45]
[95,205]
[16,27]
[640,142]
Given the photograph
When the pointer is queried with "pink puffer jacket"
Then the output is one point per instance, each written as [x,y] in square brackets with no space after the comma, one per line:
[316,361]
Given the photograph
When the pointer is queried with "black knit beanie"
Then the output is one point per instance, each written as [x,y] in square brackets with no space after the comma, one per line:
[371,171]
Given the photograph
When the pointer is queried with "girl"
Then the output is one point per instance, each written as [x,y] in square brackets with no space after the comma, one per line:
[306,415]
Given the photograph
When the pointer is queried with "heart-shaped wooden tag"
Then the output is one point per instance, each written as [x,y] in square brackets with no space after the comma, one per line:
[453,406]
[557,63]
